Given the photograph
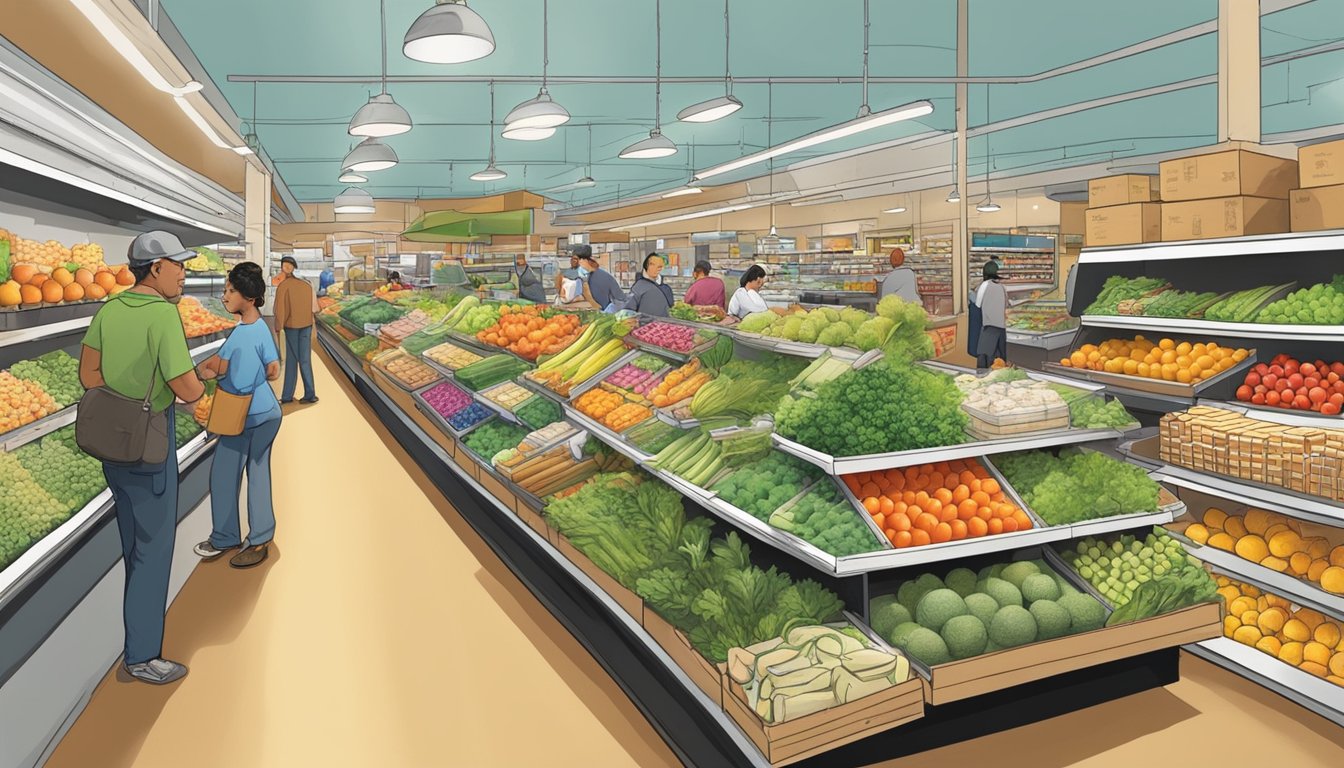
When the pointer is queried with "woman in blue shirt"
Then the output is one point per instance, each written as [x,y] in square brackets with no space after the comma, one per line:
[246,362]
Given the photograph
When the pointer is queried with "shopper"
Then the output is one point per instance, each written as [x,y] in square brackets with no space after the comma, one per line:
[135,344]
[294,302]
[992,300]
[706,291]
[325,281]
[245,364]
[567,274]
[747,298]
[529,283]
[900,281]
[599,287]
[394,281]
[649,295]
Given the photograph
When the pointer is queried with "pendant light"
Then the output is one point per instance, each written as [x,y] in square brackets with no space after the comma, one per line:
[720,106]
[897,209]
[955,195]
[588,181]
[657,145]
[524,133]
[987,205]
[689,189]
[771,242]
[350,177]
[370,154]
[448,33]
[353,200]
[540,112]
[490,172]
[382,116]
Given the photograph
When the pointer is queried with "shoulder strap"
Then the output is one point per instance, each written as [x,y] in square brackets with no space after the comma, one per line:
[153,377]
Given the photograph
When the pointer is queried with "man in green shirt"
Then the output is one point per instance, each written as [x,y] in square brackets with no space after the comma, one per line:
[134,342]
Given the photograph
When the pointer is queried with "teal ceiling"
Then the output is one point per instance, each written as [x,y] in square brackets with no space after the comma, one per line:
[303,125]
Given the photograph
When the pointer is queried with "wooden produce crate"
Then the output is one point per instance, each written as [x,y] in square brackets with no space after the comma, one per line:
[486,477]
[707,676]
[804,737]
[464,459]
[632,603]
[996,671]
[536,521]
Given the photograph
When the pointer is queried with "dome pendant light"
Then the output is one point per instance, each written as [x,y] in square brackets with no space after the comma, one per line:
[771,242]
[448,33]
[657,145]
[353,200]
[382,116]
[490,172]
[370,155]
[718,107]
[540,112]
[987,205]
[350,177]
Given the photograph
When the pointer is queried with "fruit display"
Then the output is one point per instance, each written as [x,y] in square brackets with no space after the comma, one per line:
[476,318]
[507,395]
[1243,306]
[27,510]
[694,457]
[538,412]
[679,384]
[52,254]
[1286,382]
[1041,317]
[897,328]
[597,403]
[490,371]
[22,402]
[965,614]
[205,260]
[532,331]
[56,373]
[625,416]
[600,345]
[677,338]
[451,356]
[494,437]
[1304,459]
[468,417]
[446,398]
[824,518]
[397,330]
[1300,637]
[1274,541]
[1167,359]
[811,669]
[1321,304]
[636,372]
[762,487]
[880,408]
[406,370]
[1141,577]
[71,476]
[1117,290]
[31,285]
[936,503]
[1078,485]
[198,321]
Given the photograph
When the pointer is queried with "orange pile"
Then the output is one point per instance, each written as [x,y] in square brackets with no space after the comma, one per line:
[523,331]
[598,402]
[22,402]
[199,321]
[680,384]
[30,285]
[935,503]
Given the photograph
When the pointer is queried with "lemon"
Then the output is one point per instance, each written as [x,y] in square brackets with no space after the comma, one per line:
[1270,645]
[1297,631]
[1247,636]
[1252,547]
[1312,668]
[1230,626]
[1291,653]
[1235,527]
[1197,533]
[1317,653]
[1214,518]
[1271,620]
[1241,605]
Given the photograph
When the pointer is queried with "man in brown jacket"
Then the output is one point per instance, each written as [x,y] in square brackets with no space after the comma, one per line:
[294,300]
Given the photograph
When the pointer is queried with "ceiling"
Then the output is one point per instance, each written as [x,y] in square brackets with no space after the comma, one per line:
[1050,123]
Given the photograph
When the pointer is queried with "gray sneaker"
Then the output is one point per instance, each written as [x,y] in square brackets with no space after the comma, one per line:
[157,671]
[207,551]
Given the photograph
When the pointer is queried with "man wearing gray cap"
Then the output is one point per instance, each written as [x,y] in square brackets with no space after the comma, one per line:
[135,344]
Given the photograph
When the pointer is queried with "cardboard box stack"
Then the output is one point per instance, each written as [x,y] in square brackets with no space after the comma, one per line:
[1225,194]
[1121,211]
[1304,459]
[1318,203]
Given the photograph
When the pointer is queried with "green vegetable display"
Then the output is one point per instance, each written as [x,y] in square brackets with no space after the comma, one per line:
[363,345]
[374,312]
[185,428]
[1241,307]
[67,473]
[490,371]
[1117,289]
[1097,413]
[539,412]
[824,518]
[494,436]
[694,457]
[1321,304]
[1142,577]
[56,372]
[1078,485]
[763,487]
[653,435]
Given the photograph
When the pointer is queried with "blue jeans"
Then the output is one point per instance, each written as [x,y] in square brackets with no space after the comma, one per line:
[250,451]
[298,358]
[146,502]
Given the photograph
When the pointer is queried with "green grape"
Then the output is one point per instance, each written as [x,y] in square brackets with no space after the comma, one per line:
[27,512]
[56,372]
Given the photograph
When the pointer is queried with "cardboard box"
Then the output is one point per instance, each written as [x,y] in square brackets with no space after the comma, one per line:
[1072,219]
[1317,208]
[464,459]
[1321,165]
[1124,224]
[536,521]
[706,675]
[1121,190]
[1223,217]
[1227,174]
[497,489]
[629,601]
[804,737]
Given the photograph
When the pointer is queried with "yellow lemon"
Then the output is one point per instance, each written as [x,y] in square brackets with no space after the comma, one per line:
[1197,533]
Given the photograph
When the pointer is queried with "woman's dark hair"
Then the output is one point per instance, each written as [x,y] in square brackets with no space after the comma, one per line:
[754,272]
[394,276]
[246,279]
[649,258]
[702,267]
[991,270]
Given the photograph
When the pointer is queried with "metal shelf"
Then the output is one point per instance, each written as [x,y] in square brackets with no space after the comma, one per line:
[1296,505]
[17,438]
[605,435]
[1331,333]
[1284,416]
[1262,245]
[35,333]
[1303,593]
[1320,696]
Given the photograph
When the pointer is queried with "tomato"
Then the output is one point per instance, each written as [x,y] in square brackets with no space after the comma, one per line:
[1311,381]
[1337,369]
[1330,409]
[1270,380]
[1337,398]
[1261,388]
[1291,367]
[1277,370]
[1258,399]
[1252,378]
[1317,395]
[1302,402]
[1244,392]
[1295,380]
[1272,398]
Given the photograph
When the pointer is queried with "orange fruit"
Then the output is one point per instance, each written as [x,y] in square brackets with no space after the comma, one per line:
[903,539]
[62,276]
[105,280]
[74,292]
[899,522]
[84,277]
[941,533]
[872,505]
[22,273]
[967,509]
[39,279]
[976,527]
[959,530]
[926,522]
[52,292]
[995,526]
[124,276]
[1009,525]
[30,294]
[919,538]
[95,292]
[9,294]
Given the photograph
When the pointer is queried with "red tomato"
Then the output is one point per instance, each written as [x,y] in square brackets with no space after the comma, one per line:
[1276,369]
[1337,398]
[1332,377]
[1291,367]
[1302,402]
[1281,358]
[1311,381]
[1261,388]
[1272,398]
[1317,395]
[1337,369]
[1330,409]
[1270,380]
[1252,378]
[1295,380]
[1244,392]
[1258,399]
[1308,369]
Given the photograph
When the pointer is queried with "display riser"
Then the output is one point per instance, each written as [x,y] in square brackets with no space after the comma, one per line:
[64,632]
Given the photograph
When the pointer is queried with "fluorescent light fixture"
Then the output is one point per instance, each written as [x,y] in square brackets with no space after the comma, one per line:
[353,200]
[857,125]
[488,173]
[350,177]
[954,196]
[708,111]
[683,191]
[897,209]
[129,51]
[657,145]
[382,116]
[988,206]
[448,33]
[539,112]
[522,133]
[206,128]
[824,200]
[585,183]
[370,155]
[688,216]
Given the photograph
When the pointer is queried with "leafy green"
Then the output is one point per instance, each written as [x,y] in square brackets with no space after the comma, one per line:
[1078,485]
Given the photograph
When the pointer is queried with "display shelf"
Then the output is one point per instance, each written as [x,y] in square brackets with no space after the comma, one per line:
[605,435]
[1302,592]
[203,285]
[434,416]
[1185,393]
[1262,245]
[1304,689]
[1285,416]
[17,438]
[46,330]
[1282,500]
[25,319]
[1049,342]
[1176,325]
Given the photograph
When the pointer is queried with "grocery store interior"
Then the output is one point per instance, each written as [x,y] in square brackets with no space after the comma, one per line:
[710,383]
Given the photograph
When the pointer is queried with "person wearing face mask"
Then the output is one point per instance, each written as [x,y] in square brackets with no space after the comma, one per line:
[747,299]
[529,283]
[649,296]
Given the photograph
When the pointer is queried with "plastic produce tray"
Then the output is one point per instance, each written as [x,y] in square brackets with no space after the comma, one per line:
[438,419]
[381,361]
[483,397]
[1156,386]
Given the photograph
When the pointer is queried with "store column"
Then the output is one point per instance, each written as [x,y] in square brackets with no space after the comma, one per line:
[1239,70]
[961,237]
[257,214]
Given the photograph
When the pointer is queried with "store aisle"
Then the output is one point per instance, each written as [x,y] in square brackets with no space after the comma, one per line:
[382,632]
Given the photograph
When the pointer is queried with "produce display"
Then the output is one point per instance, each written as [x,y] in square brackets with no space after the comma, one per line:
[1010,393]
[27,510]
[56,373]
[397,330]
[426,338]
[407,370]
[678,338]
[1286,382]
[540,438]
[965,614]
[1243,306]
[705,314]
[201,413]
[198,321]
[1041,317]
[653,435]
[531,331]
[551,472]
[447,399]
[494,437]
[1274,541]
[364,311]
[30,284]
[680,384]
[936,503]
[1321,304]
[825,519]
[184,428]
[1167,359]
[451,356]
[880,408]
[508,395]
[52,254]
[695,457]
[744,388]
[1150,297]
[538,412]
[22,402]
[365,346]
[205,260]
[762,487]
[490,371]
[468,417]
[600,345]
[811,669]
[636,372]
[1118,290]
[1095,412]
[1141,577]
[71,476]
[1304,459]
[897,328]
[1300,637]
[1078,485]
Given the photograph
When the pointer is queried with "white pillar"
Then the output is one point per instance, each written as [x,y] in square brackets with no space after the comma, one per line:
[257,214]
[1239,70]
[961,238]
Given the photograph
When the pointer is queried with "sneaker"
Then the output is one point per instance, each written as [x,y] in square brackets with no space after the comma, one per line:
[207,551]
[309,400]
[157,671]
[250,556]
[287,401]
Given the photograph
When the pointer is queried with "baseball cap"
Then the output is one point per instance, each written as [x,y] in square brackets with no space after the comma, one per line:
[582,251]
[149,247]
[290,261]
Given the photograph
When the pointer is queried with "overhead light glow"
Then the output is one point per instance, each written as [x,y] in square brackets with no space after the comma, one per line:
[857,125]
[353,200]
[382,116]
[129,50]
[370,155]
[350,177]
[448,33]
[522,133]
[539,112]
[954,196]
[656,145]
[988,206]
[688,216]
[683,191]
[708,111]
[897,209]
[205,127]
[488,173]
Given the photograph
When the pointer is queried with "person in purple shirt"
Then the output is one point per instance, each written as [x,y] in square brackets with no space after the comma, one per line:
[706,291]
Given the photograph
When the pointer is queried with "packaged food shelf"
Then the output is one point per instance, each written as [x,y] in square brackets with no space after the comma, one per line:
[487,397]
[405,363]
[1302,688]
